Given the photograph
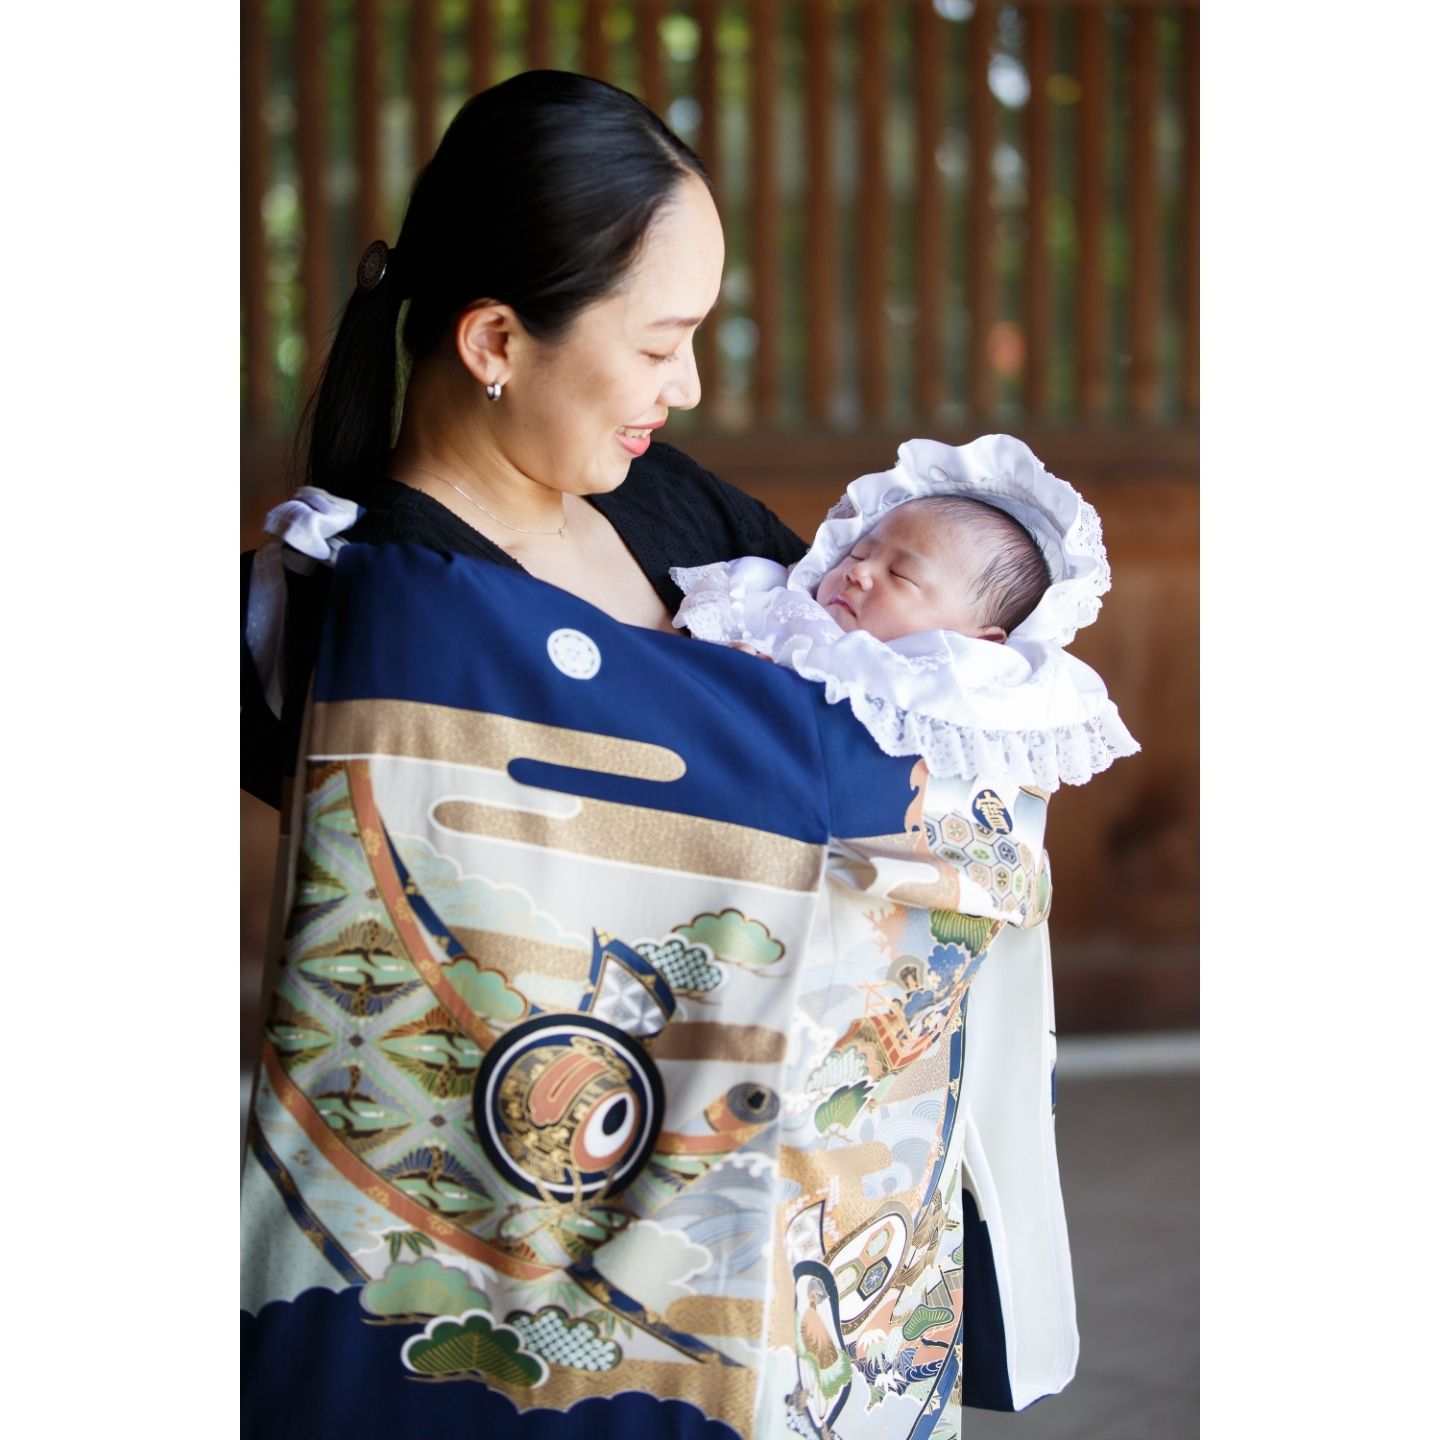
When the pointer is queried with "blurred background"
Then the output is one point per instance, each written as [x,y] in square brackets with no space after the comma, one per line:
[943,218]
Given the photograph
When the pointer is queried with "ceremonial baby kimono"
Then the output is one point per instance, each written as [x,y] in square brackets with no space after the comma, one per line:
[611,1082]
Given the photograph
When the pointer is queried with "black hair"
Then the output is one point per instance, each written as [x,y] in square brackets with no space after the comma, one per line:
[1016,575]
[538,198]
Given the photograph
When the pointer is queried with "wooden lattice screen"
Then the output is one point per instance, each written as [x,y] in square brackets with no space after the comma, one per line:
[944,210]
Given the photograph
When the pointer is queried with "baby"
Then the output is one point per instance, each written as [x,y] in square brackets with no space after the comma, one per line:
[937,600]
[946,562]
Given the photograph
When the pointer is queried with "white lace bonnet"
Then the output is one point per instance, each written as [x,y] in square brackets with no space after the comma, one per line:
[1025,711]
[1003,472]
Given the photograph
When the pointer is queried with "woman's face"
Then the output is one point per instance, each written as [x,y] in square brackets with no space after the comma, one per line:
[576,413]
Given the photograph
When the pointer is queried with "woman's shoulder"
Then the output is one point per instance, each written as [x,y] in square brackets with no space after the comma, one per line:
[396,514]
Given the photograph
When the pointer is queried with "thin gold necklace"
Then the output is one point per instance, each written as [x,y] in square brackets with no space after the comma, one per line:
[518,529]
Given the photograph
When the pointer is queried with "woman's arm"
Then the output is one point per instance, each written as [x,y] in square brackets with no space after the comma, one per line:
[267,740]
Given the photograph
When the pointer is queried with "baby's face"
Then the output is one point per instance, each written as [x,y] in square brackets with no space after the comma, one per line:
[913,571]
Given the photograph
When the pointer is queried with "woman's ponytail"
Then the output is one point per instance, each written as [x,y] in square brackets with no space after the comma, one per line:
[352,413]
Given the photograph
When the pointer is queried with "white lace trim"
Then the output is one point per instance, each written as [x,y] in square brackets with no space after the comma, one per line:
[708,610]
[1068,754]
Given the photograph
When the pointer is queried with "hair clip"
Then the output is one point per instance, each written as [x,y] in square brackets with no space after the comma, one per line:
[373,265]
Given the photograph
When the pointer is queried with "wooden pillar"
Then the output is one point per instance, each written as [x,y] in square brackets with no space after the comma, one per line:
[315,278]
[1190,213]
[424,63]
[481,45]
[1039,63]
[874,207]
[707,89]
[819,209]
[928,48]
[652,71]
[254,176]
[594,49]
[368,221]
[537,49]
[981,287]
[764,212]
[1144,386]
[1090,278]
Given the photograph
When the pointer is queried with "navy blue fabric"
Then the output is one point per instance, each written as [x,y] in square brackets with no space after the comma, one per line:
[986,1384]
[761,746]
[313,1369]
[869,790]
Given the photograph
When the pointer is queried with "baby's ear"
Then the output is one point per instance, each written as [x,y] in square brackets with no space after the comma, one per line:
[990,632]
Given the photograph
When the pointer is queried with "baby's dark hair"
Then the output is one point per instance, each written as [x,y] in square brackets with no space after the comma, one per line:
[1016,575]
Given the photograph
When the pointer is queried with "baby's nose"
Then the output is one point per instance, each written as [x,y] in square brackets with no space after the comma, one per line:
[860,575]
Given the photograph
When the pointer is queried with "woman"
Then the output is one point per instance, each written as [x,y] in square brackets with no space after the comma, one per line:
[572,304]
[573,1085]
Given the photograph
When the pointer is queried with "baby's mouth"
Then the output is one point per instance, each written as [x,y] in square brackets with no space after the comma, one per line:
[845,605]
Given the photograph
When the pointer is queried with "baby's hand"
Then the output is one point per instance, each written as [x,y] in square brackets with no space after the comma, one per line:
[750,650]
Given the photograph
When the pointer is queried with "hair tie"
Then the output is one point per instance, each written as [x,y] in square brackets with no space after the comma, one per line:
[374,265]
